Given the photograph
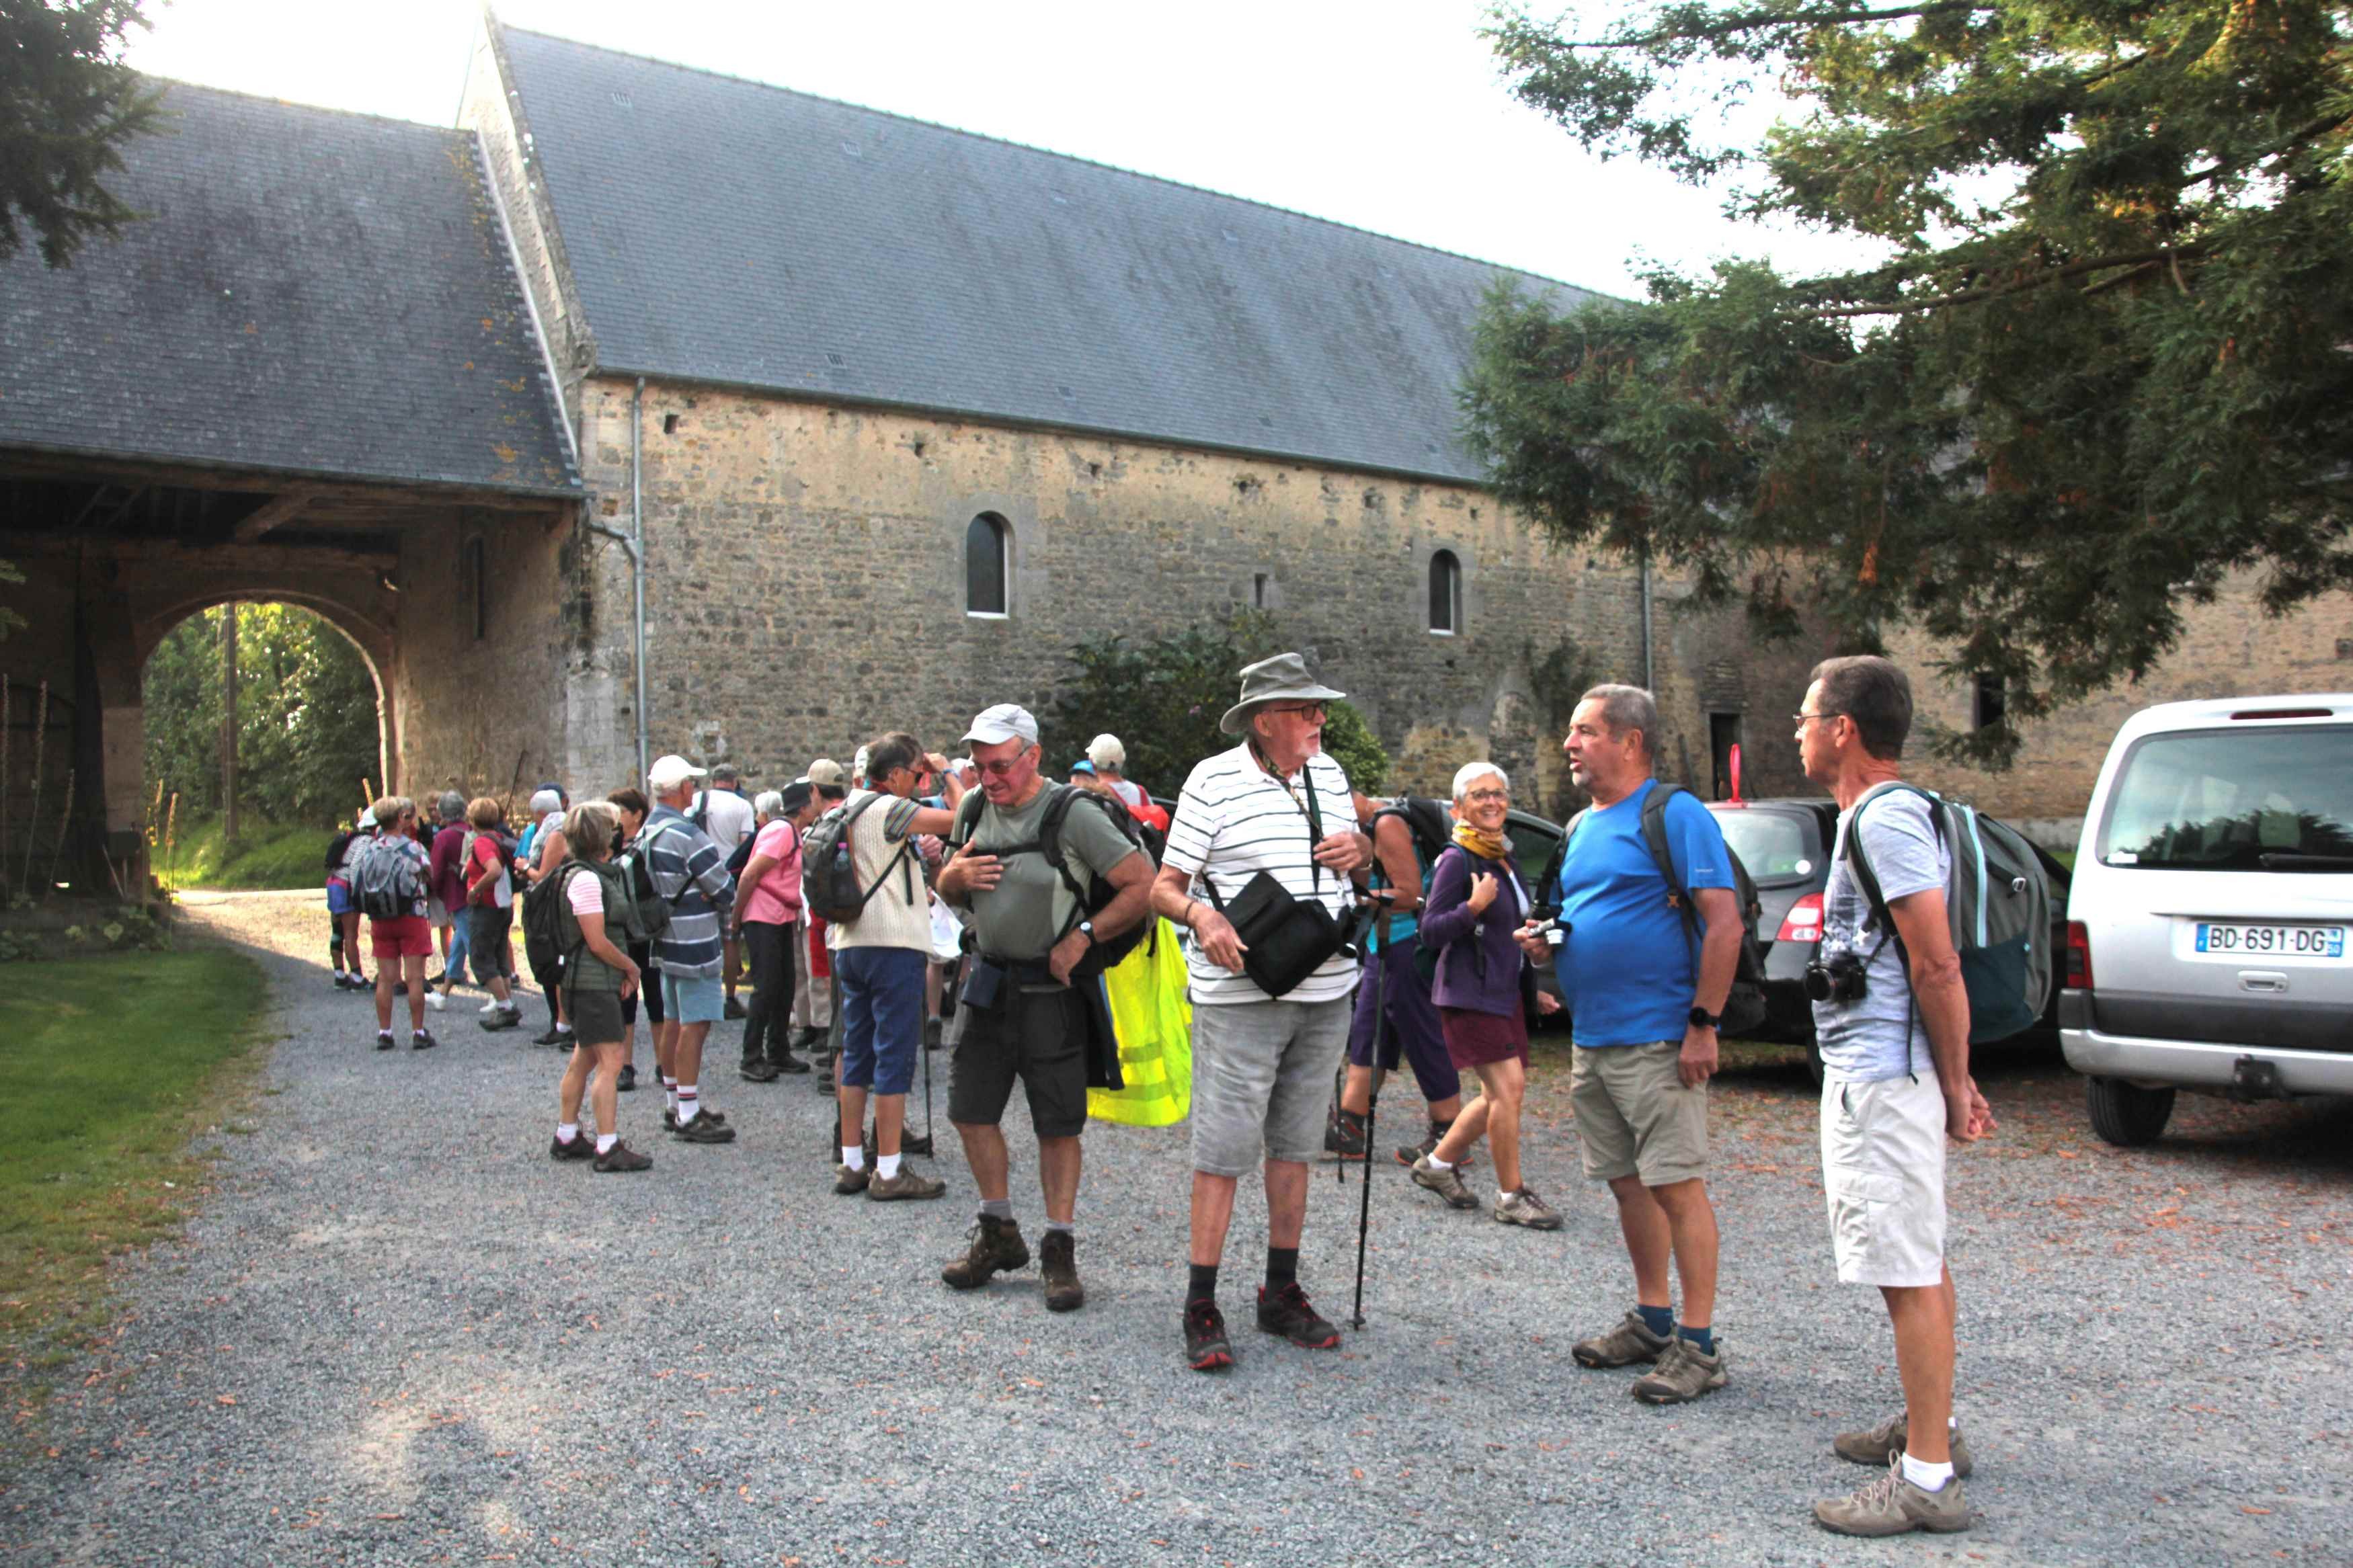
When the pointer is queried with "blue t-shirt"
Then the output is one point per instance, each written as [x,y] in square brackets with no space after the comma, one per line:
[1628,966]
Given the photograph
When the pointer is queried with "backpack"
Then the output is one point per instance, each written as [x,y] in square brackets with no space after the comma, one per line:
[632,898]
[1997,901]
[1744,1004]
[384,883]
[829,864]
[1090,901]
[1426,823]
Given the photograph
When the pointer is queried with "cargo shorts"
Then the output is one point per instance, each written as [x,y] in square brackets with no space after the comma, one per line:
[1634,1117]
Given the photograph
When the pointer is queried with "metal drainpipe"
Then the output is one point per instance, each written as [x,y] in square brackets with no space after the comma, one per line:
[1649,684]
[633,544]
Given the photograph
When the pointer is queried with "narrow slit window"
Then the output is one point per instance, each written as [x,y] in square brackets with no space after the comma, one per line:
[1992,701]
[1445,594]
[477,586]
[984,565]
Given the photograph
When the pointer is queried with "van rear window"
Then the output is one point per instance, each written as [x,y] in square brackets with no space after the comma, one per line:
[2234,800]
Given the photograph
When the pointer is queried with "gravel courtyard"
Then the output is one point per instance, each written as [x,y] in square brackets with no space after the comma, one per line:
[398,1333]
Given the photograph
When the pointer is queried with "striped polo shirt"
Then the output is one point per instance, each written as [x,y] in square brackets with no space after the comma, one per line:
[1235,820]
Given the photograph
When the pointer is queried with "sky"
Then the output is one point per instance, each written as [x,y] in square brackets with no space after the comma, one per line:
[1388,115]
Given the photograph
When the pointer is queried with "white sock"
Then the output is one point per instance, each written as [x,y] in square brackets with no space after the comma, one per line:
[1952,1423]
[669,1094]
[604,1142]
[1927,1477]
[854,1156]
[690,1105]
[1437,1164]
[562,1028]
[565,1131]
[1501,1196]
[886,1165]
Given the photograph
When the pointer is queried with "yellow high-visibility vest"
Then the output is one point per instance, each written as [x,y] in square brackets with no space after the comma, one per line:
[1154,1021]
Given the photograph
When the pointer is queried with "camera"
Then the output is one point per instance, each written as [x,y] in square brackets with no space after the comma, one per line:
[1840,980]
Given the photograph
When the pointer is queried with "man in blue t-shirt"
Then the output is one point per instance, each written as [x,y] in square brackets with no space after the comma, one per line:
[1645,997]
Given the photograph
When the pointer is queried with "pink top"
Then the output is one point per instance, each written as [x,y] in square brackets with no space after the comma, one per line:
[775,899]
[586,895]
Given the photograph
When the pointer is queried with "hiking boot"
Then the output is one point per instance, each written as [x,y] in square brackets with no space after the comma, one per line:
[849,1182]
[1058,1263]
[580,1147]
[915,1143]
[384,1039]
[1684,1372]
[628,1079]
[1344,1135]
[934,1031]
[1446,1184]
[789,1063]
[669,1119]
[906,1184]
[1630,1341]
[621,1157]
[733,1010]
[805,1038]
[552,1037]
[1894,1506]
[756,1072]
[823,1083]
[706,1128]
[1523,1207]
[422,1040]
[1286,1312]
[1881,1443]
[502,1018]
[1206,1346]
[997,1247]
[1407,1153]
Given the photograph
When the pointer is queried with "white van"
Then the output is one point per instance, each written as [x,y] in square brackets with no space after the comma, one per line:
[2209,922]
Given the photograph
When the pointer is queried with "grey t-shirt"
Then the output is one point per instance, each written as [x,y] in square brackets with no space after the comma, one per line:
[1023,914]
[1867,1040]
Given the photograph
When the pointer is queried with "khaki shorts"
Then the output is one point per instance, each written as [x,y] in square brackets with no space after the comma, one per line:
[1634,1117]
[1883,1179]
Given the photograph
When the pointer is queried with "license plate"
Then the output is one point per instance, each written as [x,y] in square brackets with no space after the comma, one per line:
[2238,941]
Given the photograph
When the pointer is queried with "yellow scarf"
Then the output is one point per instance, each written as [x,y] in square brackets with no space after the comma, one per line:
[1487,846]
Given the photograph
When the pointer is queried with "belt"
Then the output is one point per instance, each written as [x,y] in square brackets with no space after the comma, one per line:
[1021,970]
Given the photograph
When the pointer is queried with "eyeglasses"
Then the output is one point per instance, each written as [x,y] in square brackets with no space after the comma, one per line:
[1800,720]
[1304,710]
[1488,796]
[1001,769]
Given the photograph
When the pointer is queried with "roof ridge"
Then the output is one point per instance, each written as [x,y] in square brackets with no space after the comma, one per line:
[1049,152]
[283,102]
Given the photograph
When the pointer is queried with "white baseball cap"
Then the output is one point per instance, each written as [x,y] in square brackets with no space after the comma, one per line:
[668,773]
[1005,721]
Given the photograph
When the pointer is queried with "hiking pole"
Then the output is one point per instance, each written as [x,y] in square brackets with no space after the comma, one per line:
[1372,1108]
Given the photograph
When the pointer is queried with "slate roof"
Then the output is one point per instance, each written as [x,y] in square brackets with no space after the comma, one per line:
[725,231]
[313,291]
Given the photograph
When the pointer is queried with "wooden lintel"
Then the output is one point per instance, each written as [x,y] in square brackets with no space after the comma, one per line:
[274,512]
[265,556]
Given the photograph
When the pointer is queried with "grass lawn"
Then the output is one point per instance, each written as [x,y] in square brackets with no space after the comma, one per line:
[267,855]
[112,1063]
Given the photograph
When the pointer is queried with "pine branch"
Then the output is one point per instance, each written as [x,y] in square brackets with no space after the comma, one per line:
[1726,27]
[2173,254]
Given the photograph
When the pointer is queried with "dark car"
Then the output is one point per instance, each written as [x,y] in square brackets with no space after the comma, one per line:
[1785,843]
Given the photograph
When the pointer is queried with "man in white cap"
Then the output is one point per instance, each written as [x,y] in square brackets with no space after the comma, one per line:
[1023,1018]
[690,871]
[1261,1064]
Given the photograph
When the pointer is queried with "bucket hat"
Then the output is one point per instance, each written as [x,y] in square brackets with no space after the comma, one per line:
[1282,678]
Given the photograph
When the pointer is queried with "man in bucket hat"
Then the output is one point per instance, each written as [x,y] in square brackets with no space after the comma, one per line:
[1261,1065]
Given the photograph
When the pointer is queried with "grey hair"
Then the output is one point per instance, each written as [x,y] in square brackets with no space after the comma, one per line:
[1625,708]
[453,804]
[769,802]
[1469,773]
[545,801]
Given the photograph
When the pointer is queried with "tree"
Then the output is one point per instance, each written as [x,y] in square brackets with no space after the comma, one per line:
[2104,365]
[67,104]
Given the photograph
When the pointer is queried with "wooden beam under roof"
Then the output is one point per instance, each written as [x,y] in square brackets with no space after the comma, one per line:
[280,509]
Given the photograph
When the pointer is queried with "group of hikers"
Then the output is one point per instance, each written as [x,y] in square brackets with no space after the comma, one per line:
[1318,926]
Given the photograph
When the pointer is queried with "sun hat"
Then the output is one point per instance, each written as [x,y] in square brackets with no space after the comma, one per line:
[668,773]
[826,773]
[1282,678]
[1005,721]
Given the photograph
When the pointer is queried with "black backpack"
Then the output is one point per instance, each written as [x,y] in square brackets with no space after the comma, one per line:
[1096,896]
[1432,832]
[1744,1005]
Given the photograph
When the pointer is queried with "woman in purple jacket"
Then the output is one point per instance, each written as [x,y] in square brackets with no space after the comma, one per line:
[1476,906]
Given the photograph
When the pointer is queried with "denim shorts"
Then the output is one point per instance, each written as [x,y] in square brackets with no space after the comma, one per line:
[693,999]
[881,1016]
[1261,1074]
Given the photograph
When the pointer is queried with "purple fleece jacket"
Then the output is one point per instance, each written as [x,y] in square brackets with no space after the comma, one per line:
[1462,937]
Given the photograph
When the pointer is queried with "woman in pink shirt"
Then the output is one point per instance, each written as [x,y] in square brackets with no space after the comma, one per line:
[768,918]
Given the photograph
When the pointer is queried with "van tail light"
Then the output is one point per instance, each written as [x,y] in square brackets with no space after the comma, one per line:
[1804,920]
[2078,957]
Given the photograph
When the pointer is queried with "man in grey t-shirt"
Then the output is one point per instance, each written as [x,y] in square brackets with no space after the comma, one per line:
[1022,1017]
[1895,1084]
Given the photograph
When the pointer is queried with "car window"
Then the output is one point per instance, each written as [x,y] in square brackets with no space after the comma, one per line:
[1532,842]
[2233,800]
[1775,845]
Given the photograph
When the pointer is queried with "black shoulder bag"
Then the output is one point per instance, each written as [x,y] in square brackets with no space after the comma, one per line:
[1288,939]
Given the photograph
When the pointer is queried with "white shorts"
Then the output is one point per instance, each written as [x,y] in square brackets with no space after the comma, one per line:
[1883,1178]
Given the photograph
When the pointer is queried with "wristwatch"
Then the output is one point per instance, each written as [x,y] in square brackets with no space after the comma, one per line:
[1701,1019]
[1087,929]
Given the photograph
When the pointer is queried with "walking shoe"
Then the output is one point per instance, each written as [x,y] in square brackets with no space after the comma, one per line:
[384,1039]
[1683,1374]
[849,1182]
[341,981]
[1286,1312]
[1058,1263]
[756,1072]
[495,1006]
[1407,1153]
[995,1247]
[1630,1341]
[1882,1442]
[915,1143]
[733,1010]
[1446,1184]
[1206,1346]
[435,1000]
[789,1063]
[823,1083]
[1344,1135]
[628,1079]
[581,1147]
[907,1184]
[621,1157]
[1894,1506]
[502,1018]
[1523,1207]
[669,1119]
[552,1037]
[706,1128]
[434,982]
[422,1040]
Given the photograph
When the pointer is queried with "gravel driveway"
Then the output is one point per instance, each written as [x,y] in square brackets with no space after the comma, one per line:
[398,1333]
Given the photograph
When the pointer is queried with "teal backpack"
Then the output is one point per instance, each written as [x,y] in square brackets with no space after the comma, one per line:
[1999,902]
